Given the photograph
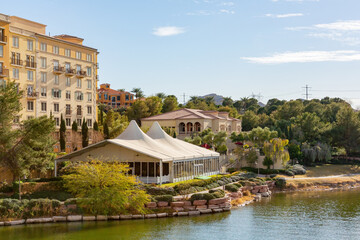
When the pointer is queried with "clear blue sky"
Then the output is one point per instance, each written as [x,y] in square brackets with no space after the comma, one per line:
[232,48]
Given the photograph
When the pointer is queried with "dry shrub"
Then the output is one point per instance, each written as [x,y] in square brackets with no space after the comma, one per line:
[246,193]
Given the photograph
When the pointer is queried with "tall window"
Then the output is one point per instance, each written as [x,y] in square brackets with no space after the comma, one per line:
[56,107]
[78,121]
[1,50]
[30,105]
[30,45]
[56,93]
[67,52]
[88,71]
[43,91]
[89,122]
[68,95]
[43,106]
[88,84]
[68,82]
[88,57]
[43,76]
[43,47]
[78,69]
[56,80]
[30,75]
[55,49]
[89,109]
[57,121]
[68,122]
[43,62]
[79,96]
[68,109]
[89,98]
[16,73]
[15,42]
[78,83]
[78,55]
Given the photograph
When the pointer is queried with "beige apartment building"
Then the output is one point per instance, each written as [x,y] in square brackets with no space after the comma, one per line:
[57,73]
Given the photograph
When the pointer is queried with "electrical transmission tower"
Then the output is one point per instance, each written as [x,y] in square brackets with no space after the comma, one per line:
[306,94]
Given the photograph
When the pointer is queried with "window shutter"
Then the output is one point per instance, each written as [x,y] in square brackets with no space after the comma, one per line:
[52,92]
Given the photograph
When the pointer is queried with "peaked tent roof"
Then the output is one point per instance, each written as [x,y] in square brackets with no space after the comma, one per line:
[187,149]
[162,148]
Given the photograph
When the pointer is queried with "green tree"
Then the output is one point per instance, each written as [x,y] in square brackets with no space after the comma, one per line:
[227,101]
[84,134]
[154,105]
[276,150]
[310,127]
[289,109]
[161,95]
[249,120]
[30,145]
[346,130]
[138,93]
[170,104]
[268,162]
[106,131]
[62,134]
[74,126]
[96,126]
[105,188]
[260,135]
[138,110]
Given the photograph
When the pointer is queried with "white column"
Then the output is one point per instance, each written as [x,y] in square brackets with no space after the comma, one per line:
[161,171]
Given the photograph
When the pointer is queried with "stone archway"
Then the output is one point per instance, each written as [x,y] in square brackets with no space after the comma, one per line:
[181,128]
[189,127]
[197,127]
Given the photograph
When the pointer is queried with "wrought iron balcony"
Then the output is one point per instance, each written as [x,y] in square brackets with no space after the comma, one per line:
[70,72]
[58,70]
[80,74]
[30,64]
[3,39]
[16,61]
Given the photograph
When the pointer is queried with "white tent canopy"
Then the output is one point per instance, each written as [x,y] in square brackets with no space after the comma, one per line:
[156,144]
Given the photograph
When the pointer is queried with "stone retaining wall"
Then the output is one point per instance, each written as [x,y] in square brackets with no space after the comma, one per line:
[165,209]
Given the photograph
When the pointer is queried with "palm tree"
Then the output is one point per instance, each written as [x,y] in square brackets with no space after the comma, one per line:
[209,100]
[161,95]
[138,93]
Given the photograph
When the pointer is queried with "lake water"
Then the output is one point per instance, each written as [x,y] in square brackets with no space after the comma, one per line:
[314,215]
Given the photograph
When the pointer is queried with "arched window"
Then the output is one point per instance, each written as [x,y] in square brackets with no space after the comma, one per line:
[189,127]
[197,127]
[182,127]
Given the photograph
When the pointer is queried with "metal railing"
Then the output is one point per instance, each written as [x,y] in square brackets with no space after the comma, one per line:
[3,38]
[59,69]
[16,61]
[30,64]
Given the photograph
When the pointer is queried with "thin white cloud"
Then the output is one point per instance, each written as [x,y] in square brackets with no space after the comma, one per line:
[307,56]
[347,32]
[229,4]
[299,1]
[351,25]
[209,13]
[287,15]
[168,31]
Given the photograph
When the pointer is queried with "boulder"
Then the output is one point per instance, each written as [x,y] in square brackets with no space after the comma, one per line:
[254,191]
[201,207]
[187,203]
[74,218]
[59,218]
[257,198]
[126,217]
[33,220]
[162,204]
[265,194]
[137,216]
[199,202]
[150,216]
[114,217]
[193,213]
[189,207]
[101,218]
[205,211]
[225,205]
[2,223]
[178,209]
[213,206]
[177,204]
[89,218]
[161,215]
[151,205]
[15,222]
[217,201]
[226,209]
[172,214]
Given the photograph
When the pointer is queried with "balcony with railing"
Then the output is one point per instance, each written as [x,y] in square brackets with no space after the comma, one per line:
[3,39]
[69,72]
[80,74]
[16,61]
[58,70]
[31,94]
[4,72]
[30,64]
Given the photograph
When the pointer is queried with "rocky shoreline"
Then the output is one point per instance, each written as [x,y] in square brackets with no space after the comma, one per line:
[179,208]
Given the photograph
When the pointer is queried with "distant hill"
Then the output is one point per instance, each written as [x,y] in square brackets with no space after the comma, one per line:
[217,98]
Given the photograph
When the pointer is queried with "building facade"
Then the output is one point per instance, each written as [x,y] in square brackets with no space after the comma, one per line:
[114,98]
[58,74]
[186,121]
